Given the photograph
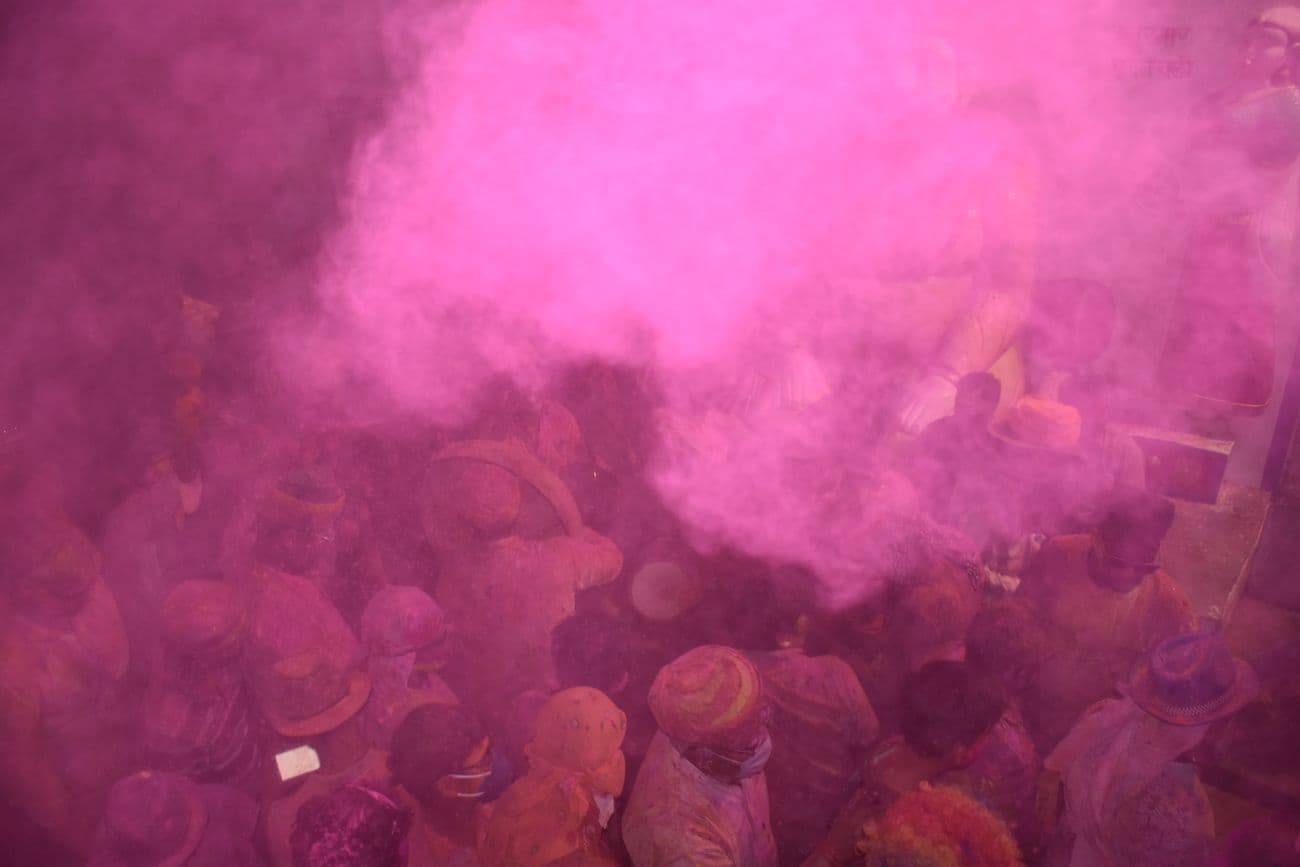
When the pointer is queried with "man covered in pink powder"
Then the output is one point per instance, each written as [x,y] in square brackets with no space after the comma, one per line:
[1107,603]
[503,592]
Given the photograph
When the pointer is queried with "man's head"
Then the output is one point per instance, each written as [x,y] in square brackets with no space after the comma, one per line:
[1192,680]
[947,708]
[591,650]
[354,826]
[442,755]
[709,701]
[399,620]
[1127,542]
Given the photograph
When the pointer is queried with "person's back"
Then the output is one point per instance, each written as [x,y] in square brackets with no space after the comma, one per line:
[403,633]
[678,812]
[532,585]
[1130,798]
[822,725]
[198,715]
[491,575]
[700,797]
[1106,777]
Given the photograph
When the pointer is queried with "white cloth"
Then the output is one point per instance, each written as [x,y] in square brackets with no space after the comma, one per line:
[1128,801]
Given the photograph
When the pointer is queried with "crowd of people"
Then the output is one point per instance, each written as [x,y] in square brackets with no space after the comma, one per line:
[235,634]
[493,645]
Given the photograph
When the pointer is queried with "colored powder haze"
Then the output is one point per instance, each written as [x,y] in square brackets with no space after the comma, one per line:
[716,190]
[746,199]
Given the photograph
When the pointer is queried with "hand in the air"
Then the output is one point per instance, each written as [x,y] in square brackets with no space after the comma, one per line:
[929,400]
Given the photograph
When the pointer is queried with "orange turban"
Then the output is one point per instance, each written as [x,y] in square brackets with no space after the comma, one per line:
[580,731]
[706,694]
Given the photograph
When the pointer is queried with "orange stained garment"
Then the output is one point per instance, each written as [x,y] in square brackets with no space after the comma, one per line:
[539,819]
[1096,633]
[1098,618]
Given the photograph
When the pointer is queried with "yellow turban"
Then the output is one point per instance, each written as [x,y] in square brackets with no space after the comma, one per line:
[706,694]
